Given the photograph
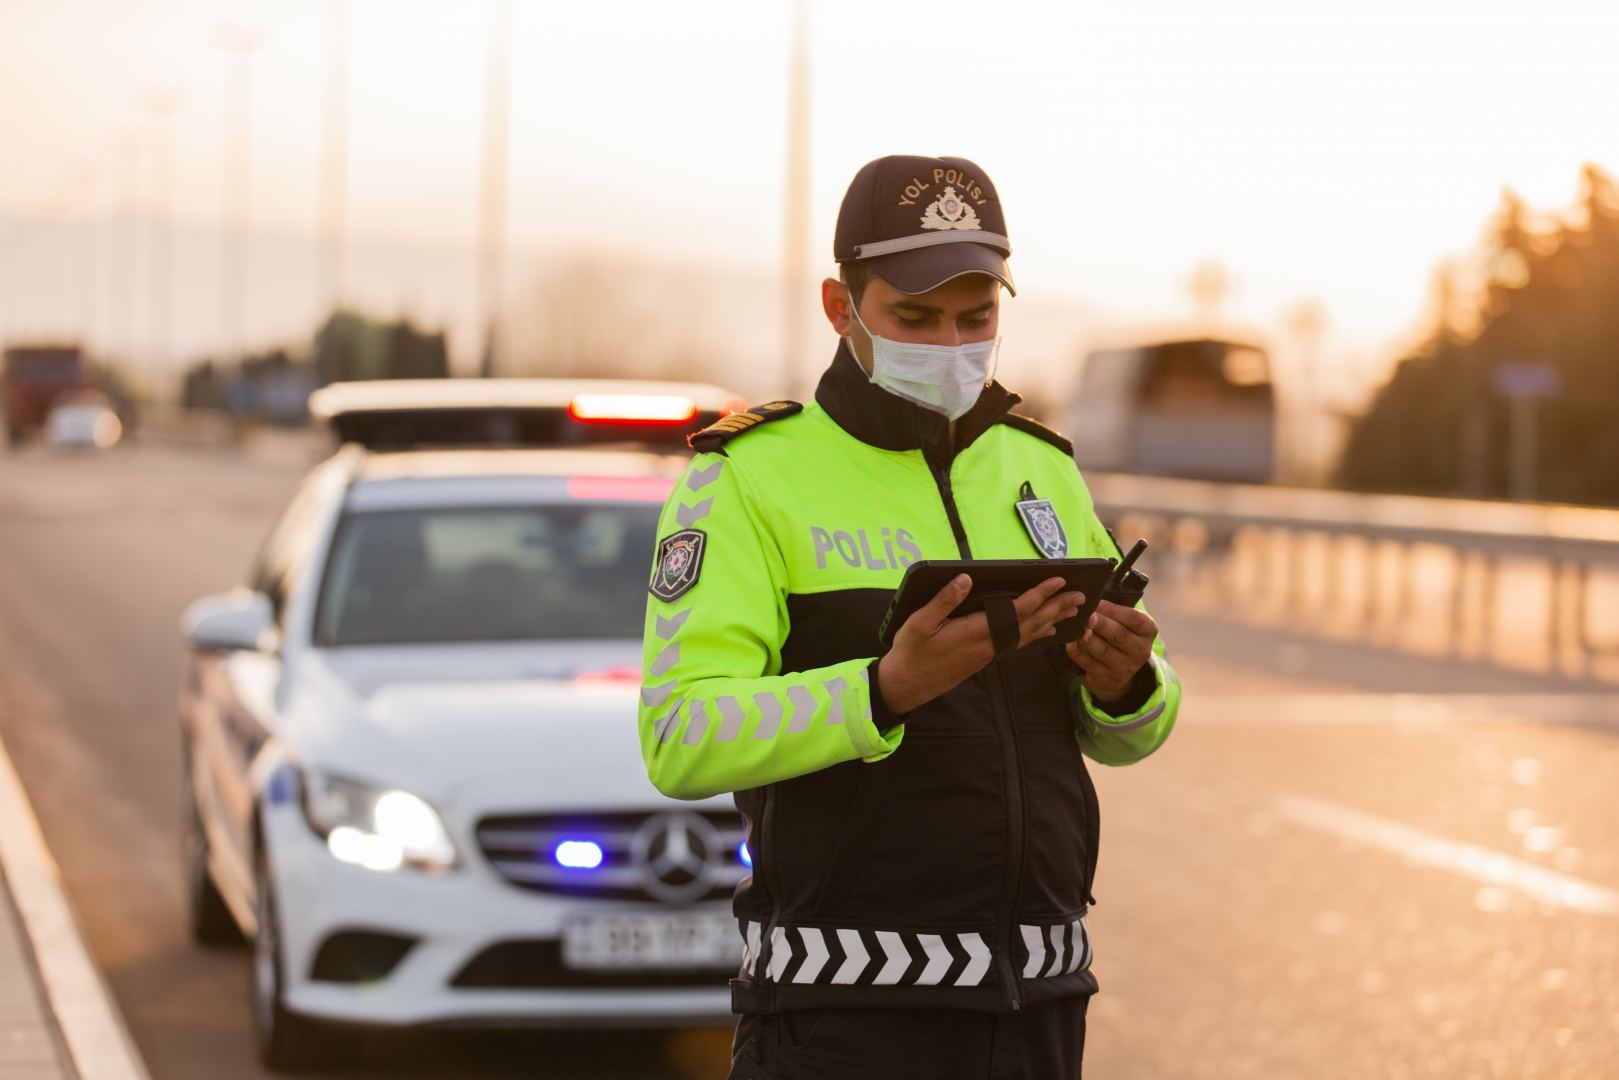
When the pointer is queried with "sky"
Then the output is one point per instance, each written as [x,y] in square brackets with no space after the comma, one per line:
[1329,151]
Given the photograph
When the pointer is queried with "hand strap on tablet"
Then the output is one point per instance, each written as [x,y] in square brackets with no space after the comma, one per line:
[1004,632]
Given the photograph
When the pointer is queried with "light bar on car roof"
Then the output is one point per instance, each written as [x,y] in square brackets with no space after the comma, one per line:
[414,414]
[632,409]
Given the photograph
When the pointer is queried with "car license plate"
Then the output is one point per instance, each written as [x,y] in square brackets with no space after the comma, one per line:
[651,941]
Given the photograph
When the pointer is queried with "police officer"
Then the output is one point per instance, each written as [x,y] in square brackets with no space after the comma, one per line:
[922,826]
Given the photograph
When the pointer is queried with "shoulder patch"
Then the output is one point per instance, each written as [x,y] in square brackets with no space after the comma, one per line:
[1030,426]
[714,437]
[680,561]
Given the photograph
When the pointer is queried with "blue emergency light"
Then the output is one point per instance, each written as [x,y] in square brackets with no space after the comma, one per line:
[578,854]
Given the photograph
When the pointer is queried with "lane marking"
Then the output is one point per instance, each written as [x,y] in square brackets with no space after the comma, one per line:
[91,1026]
[1414,710]
[1469,860]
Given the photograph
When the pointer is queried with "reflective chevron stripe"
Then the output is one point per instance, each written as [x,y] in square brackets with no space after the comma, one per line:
[898,958]
[780,954]
[977,961]
[1061,949]
[1035,942]
[750,948]
[939,960]
[688,516]
[807,955]
[855,956]
[666,629]
[698,479]
[816,956]
[800,708]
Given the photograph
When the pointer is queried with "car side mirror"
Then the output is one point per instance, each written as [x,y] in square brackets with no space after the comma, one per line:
[239,619]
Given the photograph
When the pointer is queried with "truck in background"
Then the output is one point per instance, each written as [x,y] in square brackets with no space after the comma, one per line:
[1203,409]
[33,378]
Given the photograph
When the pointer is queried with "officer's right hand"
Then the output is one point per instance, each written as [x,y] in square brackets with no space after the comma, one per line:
[934,653]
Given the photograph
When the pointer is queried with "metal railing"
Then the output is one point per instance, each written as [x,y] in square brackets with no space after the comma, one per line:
[1528,585]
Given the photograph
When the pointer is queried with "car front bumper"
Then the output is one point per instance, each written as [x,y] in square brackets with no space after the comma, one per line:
[452,918]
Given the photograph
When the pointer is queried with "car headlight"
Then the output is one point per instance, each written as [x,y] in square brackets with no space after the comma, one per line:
[378,828]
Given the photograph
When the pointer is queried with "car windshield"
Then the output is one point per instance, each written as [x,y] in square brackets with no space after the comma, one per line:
[504,573]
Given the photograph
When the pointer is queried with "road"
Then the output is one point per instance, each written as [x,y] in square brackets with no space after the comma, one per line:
[1344,864]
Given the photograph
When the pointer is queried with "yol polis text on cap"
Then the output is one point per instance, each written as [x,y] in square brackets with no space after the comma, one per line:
[919,222]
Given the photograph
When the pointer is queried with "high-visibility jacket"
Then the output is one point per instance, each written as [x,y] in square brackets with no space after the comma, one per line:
[940,859]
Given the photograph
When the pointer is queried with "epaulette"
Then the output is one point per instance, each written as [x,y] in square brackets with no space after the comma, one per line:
[713,438]
[1031,426]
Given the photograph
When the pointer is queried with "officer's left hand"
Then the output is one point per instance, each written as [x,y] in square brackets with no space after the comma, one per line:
[1116,642]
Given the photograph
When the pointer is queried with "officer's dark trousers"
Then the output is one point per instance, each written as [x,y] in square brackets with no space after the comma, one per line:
[1045,1042]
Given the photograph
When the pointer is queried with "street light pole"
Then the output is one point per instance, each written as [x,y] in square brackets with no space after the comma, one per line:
[1307,320]
[492,224]
[334,188]
[7,295]
[239,42]
[127,274]
[1209,287]
[86,277]
[104,328]
[796,207]
[11,286]
[162,102]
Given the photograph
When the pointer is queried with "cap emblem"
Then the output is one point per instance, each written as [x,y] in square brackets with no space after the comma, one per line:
[950,211]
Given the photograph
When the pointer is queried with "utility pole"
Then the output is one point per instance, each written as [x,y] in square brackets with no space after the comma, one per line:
[1306,321]
[105,327]
[334,172]
[13,283]
[239,42]
[86,277]
[1525,383]
[9,299]
[162,102]
[796,207]
[126,273]
[1210,287]
[492,216]
[49,269]
[20,301]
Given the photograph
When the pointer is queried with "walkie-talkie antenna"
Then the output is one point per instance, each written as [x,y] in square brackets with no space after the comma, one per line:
[1129,561]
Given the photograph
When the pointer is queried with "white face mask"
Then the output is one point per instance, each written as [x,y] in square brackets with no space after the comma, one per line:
[945,379]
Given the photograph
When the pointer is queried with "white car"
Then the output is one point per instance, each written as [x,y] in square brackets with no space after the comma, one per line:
[83,424]
[413,773]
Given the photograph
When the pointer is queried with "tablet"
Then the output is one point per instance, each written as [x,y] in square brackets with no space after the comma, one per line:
[1013,577]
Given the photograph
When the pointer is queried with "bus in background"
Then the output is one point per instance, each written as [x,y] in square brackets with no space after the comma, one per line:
[1202,409]
[32,379]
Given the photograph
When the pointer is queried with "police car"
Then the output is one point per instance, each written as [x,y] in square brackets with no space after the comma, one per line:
[412,774]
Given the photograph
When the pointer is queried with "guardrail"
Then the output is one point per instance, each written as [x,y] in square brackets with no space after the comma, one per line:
[1525,585]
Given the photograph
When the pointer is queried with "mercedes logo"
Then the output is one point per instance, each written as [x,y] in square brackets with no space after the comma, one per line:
[677,855]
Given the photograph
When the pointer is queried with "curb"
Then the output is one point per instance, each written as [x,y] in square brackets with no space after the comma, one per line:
[89,1021]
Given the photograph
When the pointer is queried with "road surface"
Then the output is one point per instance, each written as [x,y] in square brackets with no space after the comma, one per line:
[1343,865]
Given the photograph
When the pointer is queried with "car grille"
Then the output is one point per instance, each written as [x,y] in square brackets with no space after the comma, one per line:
[522,849]
[537,965]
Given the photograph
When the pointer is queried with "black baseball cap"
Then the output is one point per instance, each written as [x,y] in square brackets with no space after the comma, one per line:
[919,222]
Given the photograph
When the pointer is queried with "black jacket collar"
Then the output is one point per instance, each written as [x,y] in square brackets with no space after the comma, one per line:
[878,418]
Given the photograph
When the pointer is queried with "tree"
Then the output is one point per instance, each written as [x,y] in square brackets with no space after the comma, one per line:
[599,317]
[1548,296]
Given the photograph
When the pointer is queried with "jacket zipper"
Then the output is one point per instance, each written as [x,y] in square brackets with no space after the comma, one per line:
[1014,812]
[999,696]
[941,476]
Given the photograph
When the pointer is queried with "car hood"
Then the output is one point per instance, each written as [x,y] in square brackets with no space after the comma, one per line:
[520,726]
